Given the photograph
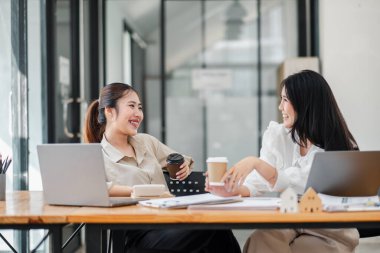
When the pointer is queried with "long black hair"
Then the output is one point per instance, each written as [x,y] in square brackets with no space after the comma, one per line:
[318,119]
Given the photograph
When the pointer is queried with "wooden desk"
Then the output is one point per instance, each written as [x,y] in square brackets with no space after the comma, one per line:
[137,217]
[26,210]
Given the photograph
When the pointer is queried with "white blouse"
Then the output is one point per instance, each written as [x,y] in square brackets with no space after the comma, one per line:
[279,150]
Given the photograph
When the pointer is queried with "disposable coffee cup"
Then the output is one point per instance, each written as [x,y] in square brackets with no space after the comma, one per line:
[216,168]
[174,161]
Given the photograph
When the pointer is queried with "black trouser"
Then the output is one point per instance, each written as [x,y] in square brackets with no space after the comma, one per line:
[177,240]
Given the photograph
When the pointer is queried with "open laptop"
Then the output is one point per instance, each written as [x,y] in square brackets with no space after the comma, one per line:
[345,173]
[74,174]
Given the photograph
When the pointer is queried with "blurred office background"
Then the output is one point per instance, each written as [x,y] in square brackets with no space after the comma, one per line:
[207,71]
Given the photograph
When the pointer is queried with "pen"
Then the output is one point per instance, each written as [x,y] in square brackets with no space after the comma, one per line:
[4,165]
[6,168]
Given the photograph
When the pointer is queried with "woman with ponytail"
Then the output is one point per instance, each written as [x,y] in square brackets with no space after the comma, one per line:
[130,158]
[134,158]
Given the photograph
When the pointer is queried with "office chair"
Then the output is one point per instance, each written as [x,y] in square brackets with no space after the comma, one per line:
[193,184]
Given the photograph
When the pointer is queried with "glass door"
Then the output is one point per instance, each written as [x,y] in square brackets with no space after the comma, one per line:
[221,60]
[65,93]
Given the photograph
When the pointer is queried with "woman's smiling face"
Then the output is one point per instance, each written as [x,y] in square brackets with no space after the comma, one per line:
[128,115]
[288,113]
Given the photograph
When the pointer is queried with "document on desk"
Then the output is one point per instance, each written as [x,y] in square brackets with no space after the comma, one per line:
[185,201]
[349,204]
[256,203]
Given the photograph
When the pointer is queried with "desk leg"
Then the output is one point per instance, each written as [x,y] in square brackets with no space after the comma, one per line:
[95,239]
[56,239]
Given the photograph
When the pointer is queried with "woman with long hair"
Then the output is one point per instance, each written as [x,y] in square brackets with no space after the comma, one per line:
[312,122]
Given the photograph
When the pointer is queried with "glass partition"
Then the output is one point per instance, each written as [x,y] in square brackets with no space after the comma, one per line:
[5,97]
[35,106]
[220,70]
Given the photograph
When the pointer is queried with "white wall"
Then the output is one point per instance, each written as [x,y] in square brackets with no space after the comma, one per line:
[350,56]
[114,42]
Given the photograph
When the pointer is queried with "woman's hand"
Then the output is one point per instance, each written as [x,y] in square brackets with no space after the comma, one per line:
[235,176]
[219,190]
[184,172]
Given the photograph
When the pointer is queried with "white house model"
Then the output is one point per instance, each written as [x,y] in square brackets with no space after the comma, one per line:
[289,202]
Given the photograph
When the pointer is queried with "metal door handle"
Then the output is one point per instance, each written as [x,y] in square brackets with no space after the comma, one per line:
[66,103]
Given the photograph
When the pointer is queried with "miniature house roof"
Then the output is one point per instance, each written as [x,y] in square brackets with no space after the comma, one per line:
[288,193]
[310,202]
[310,194]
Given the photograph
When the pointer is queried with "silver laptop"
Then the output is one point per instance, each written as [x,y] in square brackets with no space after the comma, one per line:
[345,173]
[74,174]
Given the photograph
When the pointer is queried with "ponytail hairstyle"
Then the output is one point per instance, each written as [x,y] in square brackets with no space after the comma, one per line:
[95,121]
[318,118]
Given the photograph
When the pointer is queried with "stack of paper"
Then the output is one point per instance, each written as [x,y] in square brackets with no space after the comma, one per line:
[257,203]
[344,204]
[185,201]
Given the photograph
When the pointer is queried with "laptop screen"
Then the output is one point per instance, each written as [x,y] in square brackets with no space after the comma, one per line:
[345,173]
[73,174]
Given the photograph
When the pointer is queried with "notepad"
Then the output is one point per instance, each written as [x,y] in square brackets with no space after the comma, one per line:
[185,201]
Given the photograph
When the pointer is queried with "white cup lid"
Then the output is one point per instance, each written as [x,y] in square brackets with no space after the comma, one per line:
[217,160]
